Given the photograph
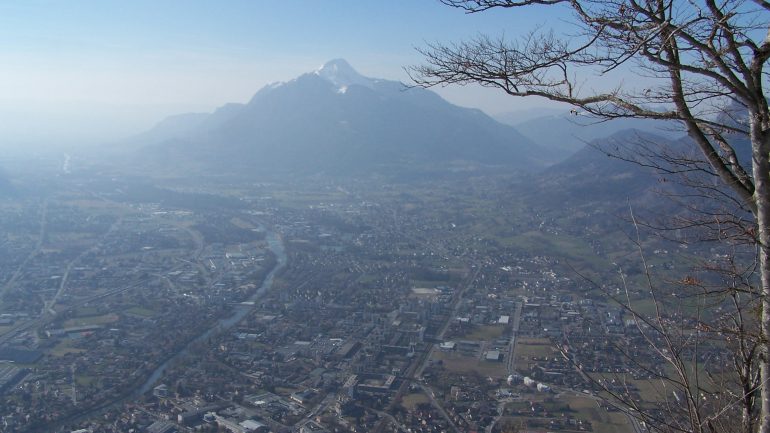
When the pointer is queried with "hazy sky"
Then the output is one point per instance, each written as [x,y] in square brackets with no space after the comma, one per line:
[92,70]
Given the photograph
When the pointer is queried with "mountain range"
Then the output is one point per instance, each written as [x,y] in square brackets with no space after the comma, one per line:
[335,120]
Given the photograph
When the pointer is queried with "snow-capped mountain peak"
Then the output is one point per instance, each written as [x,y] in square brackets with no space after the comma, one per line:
[342,75]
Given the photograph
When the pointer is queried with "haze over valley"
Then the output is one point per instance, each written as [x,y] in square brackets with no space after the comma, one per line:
[285,243]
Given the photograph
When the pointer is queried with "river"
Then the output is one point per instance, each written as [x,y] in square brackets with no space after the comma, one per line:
[275,244]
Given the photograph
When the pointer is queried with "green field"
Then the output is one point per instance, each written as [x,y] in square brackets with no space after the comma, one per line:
[91,320]
[84,380]
[141,311]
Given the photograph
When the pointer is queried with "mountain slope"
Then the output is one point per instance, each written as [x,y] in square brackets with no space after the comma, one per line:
[335,120]
[596,174]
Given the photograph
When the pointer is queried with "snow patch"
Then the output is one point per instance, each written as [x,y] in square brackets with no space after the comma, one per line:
[342,75]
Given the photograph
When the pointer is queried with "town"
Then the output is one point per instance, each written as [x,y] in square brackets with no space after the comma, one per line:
[325,308]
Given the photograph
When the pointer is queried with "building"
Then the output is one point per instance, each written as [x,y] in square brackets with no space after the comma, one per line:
[253,426]
[162,427]
[494,356]
[448,345]
[312,427]
[160,391]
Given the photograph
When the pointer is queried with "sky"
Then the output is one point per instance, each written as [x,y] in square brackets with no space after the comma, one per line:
[95,71]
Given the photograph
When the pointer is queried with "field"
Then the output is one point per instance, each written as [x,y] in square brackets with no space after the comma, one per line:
[458,363]
[85,380]
[141,311]
[64,347]
[573,249]
[528,348]
[603,422]
[580,407]
[654,390]
[91,320]
[410,401]
[484,333]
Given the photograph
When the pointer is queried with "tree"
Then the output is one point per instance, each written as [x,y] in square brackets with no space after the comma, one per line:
[700,63]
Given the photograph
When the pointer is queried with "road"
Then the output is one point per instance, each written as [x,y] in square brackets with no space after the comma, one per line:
[49,306]
[510,361]
[275,244]
[48,311]
[418,366]
[455,309]
[514,335]
[431,396]
[45,319]
[390,418]
[40,238]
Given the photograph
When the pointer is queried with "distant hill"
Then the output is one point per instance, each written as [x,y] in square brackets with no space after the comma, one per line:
[336,121]
[594,191]
[519,116]
[595,173]
[565,133]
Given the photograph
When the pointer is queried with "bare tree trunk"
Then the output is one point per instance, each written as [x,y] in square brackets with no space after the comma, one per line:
[761,165]
[763,215]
